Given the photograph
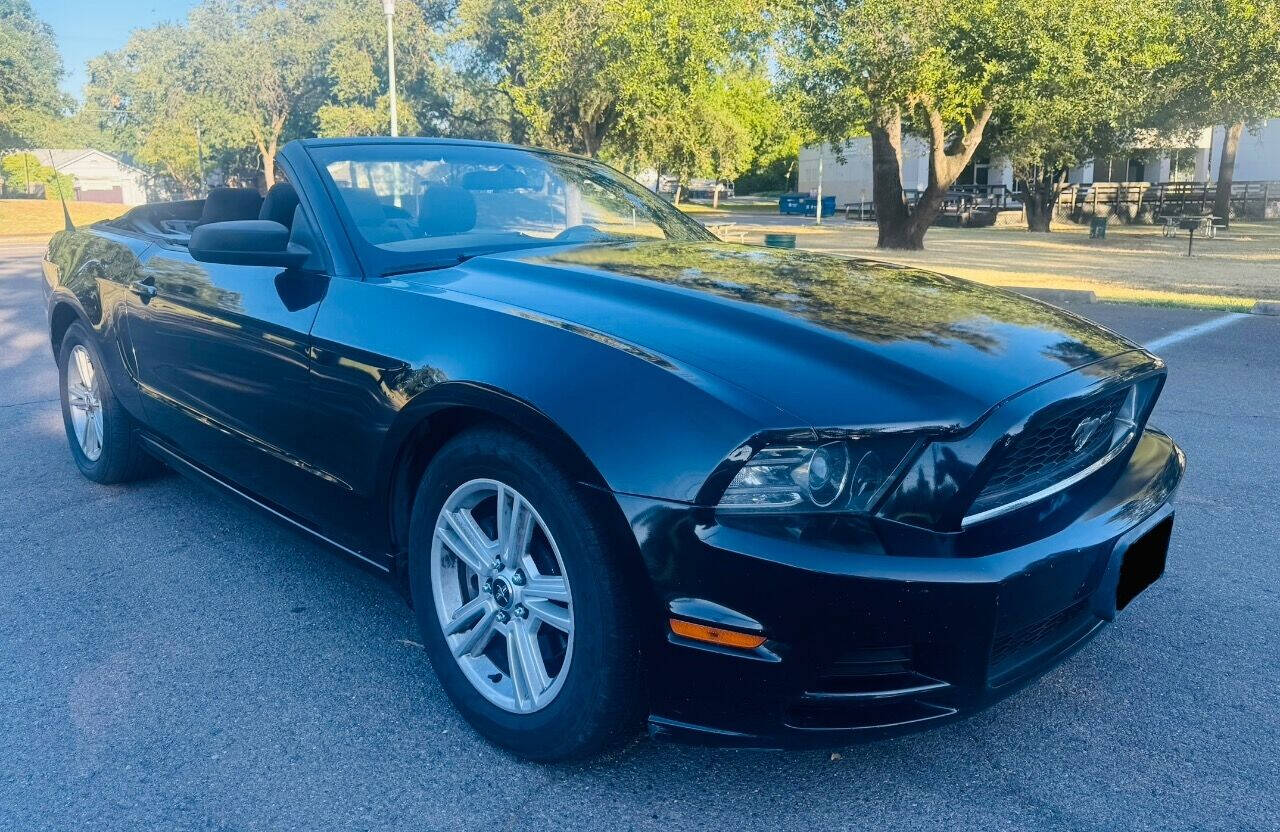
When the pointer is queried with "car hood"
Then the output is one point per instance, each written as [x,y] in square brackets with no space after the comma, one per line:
[835,342]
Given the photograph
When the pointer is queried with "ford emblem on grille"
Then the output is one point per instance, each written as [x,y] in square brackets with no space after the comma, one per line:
[1085,431]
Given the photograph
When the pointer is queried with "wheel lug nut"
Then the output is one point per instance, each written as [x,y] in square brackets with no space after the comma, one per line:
[503,617]
[518,578]
[520,611]
[496,566]
[488,587]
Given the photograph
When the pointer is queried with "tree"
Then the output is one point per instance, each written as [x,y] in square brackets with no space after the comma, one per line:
[149,99]
[661,82]
[1087,95]
[1057,80]
[1228,73]
[354,77]
[263,59]
[30,70]
[935,67]
[22,171]
[485,33]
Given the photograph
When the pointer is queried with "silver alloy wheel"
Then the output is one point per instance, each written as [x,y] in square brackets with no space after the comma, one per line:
[85,402]
[496,571]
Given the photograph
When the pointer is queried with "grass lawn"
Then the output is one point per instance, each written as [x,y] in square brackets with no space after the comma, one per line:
[1133,264]
[42,217]
[735,205]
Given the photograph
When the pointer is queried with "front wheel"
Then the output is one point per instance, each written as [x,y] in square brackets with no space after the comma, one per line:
[523,608]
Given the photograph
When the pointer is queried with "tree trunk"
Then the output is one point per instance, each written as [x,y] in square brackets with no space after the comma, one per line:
[267,145]
[1041,198]
[1227,172]
[1039,213]
[886,180]
[269,168]
[944,168]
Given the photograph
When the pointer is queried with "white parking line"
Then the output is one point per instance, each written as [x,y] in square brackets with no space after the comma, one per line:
[1193,331]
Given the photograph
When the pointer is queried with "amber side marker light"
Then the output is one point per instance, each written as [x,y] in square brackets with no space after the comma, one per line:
[715,635]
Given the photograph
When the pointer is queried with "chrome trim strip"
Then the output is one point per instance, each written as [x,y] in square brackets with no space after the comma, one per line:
[865,696]
[990,513]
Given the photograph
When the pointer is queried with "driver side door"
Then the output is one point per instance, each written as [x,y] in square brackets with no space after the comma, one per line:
[222,356]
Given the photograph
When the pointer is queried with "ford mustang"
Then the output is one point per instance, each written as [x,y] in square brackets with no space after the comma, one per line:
[623,471]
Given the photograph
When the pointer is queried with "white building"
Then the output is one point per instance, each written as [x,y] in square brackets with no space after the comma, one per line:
[1257,159]
[99,177]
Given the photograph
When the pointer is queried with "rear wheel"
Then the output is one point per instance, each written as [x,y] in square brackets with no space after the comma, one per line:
[99,430]
[523,610]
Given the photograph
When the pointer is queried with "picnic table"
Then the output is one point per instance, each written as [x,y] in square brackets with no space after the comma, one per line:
[1206,224]
[724,230]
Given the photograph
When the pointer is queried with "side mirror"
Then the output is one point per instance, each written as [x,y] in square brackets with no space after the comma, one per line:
[246,243]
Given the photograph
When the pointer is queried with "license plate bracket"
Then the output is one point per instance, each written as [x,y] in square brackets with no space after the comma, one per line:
[1143,562]
[1136,563]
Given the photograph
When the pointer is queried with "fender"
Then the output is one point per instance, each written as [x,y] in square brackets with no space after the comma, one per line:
[434,416]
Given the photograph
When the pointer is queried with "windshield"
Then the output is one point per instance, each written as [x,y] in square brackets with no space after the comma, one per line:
[419,205]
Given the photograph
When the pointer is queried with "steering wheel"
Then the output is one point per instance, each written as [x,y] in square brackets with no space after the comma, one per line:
[581,234]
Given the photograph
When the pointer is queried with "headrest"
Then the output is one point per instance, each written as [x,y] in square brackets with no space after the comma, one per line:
[364,205]
[279,205]
[446,209]
[223,204]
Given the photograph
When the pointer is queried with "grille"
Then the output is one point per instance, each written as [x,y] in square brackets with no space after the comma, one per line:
[1047,453]
[1010,651]
[1027,639]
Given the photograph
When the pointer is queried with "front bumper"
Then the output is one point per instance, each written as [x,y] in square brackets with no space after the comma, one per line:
[867,645]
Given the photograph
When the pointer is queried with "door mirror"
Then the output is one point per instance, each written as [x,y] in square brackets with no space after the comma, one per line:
[246,243]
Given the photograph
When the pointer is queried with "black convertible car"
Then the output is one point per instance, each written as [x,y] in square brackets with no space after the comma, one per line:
[621,469]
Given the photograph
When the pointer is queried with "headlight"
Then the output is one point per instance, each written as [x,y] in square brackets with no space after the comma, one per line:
[844,475]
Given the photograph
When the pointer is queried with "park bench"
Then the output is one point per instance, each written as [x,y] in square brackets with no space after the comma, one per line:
[864,210]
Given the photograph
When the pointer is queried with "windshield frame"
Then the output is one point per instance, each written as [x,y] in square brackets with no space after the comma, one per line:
[378,261]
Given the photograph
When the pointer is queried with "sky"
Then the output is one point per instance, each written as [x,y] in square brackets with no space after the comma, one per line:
[87,28]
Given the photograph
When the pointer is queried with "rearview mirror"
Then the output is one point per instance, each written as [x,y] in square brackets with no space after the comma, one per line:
[246,243]
[505,178]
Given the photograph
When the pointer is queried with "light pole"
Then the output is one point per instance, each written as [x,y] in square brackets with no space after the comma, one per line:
[819,212]
[389,6]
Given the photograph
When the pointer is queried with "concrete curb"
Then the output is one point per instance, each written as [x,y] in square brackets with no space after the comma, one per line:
[1267,307]
[1056,295]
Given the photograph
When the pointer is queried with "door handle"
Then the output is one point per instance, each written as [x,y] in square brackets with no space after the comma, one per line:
[143,289]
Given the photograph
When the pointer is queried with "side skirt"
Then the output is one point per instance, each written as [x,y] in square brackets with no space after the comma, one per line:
[382,563]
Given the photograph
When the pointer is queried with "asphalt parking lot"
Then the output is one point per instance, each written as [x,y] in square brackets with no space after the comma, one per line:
[171,660]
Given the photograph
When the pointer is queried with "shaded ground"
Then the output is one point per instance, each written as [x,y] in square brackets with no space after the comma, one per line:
[1243,265]
[171,660]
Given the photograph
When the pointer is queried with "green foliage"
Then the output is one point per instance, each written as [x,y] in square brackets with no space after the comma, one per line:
[241,77]
[23,171]
[1045,83]
[716,88]
[1228,66]
[675,85]
[30,69]
[1089,87]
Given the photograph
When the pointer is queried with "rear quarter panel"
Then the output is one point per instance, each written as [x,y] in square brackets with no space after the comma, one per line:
[87,274]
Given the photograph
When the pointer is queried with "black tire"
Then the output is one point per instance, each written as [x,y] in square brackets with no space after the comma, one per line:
[601,703]
[122,458]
